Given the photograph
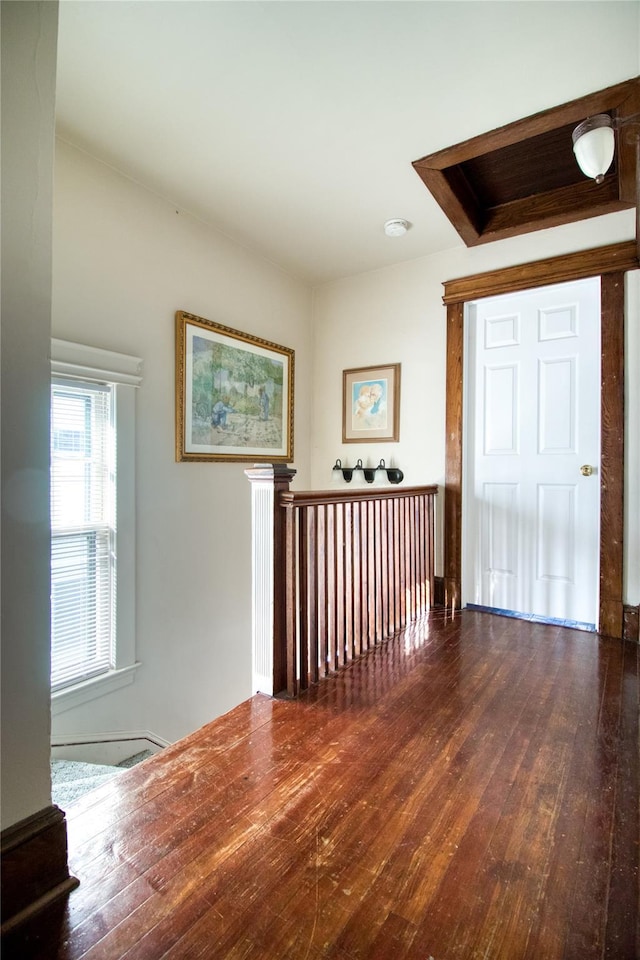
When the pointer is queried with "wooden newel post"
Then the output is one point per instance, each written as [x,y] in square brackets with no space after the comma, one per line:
[269,587]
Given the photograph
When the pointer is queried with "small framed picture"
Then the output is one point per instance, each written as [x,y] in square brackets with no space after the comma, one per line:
[234,394]
[371,404]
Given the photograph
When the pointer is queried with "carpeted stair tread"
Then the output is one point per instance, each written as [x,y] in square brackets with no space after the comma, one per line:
[72,779]
[62,771]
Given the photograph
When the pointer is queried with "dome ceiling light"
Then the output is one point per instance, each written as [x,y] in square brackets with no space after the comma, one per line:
[594,144]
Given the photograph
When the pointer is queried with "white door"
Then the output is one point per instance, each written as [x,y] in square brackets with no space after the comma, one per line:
[533,421]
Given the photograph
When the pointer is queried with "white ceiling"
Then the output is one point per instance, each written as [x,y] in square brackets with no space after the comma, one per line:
[291,126]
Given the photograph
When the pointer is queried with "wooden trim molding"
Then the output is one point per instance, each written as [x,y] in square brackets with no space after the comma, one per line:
[453,458]
[35,871]
[631,623]
[610,263]
[615,258]
[306,498]
[612,454]
[523,176]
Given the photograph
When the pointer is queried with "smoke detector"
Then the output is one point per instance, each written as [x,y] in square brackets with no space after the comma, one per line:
[396,228]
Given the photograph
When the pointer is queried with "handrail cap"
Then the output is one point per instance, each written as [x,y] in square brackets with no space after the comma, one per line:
[307,498]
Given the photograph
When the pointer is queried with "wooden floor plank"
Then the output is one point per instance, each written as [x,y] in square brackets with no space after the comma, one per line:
[469,789]
[558,876]
[623,924]
[485,863]
[586,929]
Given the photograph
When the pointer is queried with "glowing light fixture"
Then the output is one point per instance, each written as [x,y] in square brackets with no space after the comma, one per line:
[593,145]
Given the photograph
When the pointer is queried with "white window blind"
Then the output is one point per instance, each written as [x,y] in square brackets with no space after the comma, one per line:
[82,531]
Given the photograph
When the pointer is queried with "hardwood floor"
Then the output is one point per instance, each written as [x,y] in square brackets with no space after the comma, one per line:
[470,790]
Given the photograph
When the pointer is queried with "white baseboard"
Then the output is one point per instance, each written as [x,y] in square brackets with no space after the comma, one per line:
[108,748]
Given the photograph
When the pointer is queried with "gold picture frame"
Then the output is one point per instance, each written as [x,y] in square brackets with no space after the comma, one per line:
[234,394]
[371,404]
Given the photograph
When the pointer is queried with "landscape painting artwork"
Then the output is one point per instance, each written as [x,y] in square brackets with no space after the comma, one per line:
[371,404]
[234,394]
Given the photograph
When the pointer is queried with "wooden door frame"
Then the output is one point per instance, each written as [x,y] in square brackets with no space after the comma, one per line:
[610,263]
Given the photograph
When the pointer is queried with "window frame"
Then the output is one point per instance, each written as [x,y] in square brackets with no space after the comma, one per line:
[74,361]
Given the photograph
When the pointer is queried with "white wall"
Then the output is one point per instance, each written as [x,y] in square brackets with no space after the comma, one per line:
[396,315]
[124,262]
[29,33]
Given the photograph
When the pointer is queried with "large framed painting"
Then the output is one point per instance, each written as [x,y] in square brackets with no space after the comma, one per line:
[371,404]
[234,394]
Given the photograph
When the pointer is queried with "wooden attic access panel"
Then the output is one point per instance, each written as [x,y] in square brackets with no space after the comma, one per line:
[524,176]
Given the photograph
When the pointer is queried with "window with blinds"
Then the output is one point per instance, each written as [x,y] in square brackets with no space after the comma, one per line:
[83,581]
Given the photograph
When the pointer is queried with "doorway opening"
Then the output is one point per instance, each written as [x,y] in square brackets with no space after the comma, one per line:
[609,263]
[531,490]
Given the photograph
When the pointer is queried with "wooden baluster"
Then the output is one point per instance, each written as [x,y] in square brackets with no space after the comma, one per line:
[371,575]
[291,620]
[416,556]
[407,556]
[402,562]
[358,574]
[323,599]
[357,581]
[409,541]
[314,653]
[396,563]
[417,548]
[340,585]
[430,549]
[427,550]
[384,565]
[402,581]
[332,547]
[419,559]
[415,580]
[409,534]
[303,534]
[422,555]
[395,581]
[349,580]
[377,526]
[364,581]
[364,551]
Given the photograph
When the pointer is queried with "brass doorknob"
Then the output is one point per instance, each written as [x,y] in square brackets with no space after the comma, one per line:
[586,469]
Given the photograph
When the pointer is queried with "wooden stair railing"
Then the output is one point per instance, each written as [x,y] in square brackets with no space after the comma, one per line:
[353,569]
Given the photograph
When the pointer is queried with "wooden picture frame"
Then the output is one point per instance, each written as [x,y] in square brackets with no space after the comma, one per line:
[234,394]
[371,404]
